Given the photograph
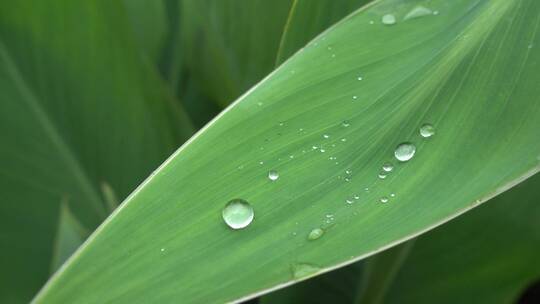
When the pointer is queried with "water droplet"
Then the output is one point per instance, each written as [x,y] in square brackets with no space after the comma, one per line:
[404,151]
[371,22]
[360,78]
[388,19]
[301,270]
[382,175]
[355,97]
[384,199]
[322,150]
[417,12]
[392,195]
[273,175]
[427,130]
[349,201]
[333,55]
[261,163]
[347,179]
[388,167]
[237,214]
[315,234]
[345,123]
[348,171]
[162,249]
[326,136]
[344,139]
[281,124]
[314,147]
[356,196]
[291,156]
[435,12]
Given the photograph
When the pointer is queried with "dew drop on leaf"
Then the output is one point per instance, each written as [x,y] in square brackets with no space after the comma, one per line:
[301,270]
[405,151]
[315,234]
[273,175]
[388,19]
[427,130]
[238,213]
[388,167]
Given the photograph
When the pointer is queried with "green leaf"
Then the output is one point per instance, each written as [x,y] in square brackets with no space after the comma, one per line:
[69,236]
[148,19]
[77,107]
[485,256]
[309,18]
[224,62]
[454,70]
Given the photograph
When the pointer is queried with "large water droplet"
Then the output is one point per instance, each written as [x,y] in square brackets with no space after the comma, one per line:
[237,214]
[315,234]
[301,270]
[427,130]
[273,175]
[417,12]
[388,19]
[388,167]
[405,151]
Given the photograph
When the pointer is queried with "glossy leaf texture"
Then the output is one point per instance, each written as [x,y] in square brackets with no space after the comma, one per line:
[485,256]
[328,120]
[77,108]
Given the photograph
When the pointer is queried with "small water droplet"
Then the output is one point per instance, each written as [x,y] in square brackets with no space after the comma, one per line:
[240,167]
[382,175]
[333,55]
[405,151]
[356,196]
[417,12]
[366,189]
[291,156]
[302,270]
[435,12]
[347,179]
[344,139]
[237,214]
[162,249]
[427,130]
[348,171]
[261,163]
[371,22]
[326,136]
[345,123]
[281,124]
[322,150]
[360,78]
[384,199]
[392,194]
[388,167]
[388,19]
[315,234]
[273,175]
[355,97]
[349,201]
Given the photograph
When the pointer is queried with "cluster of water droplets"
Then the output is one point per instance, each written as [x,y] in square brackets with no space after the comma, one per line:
[239,214]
